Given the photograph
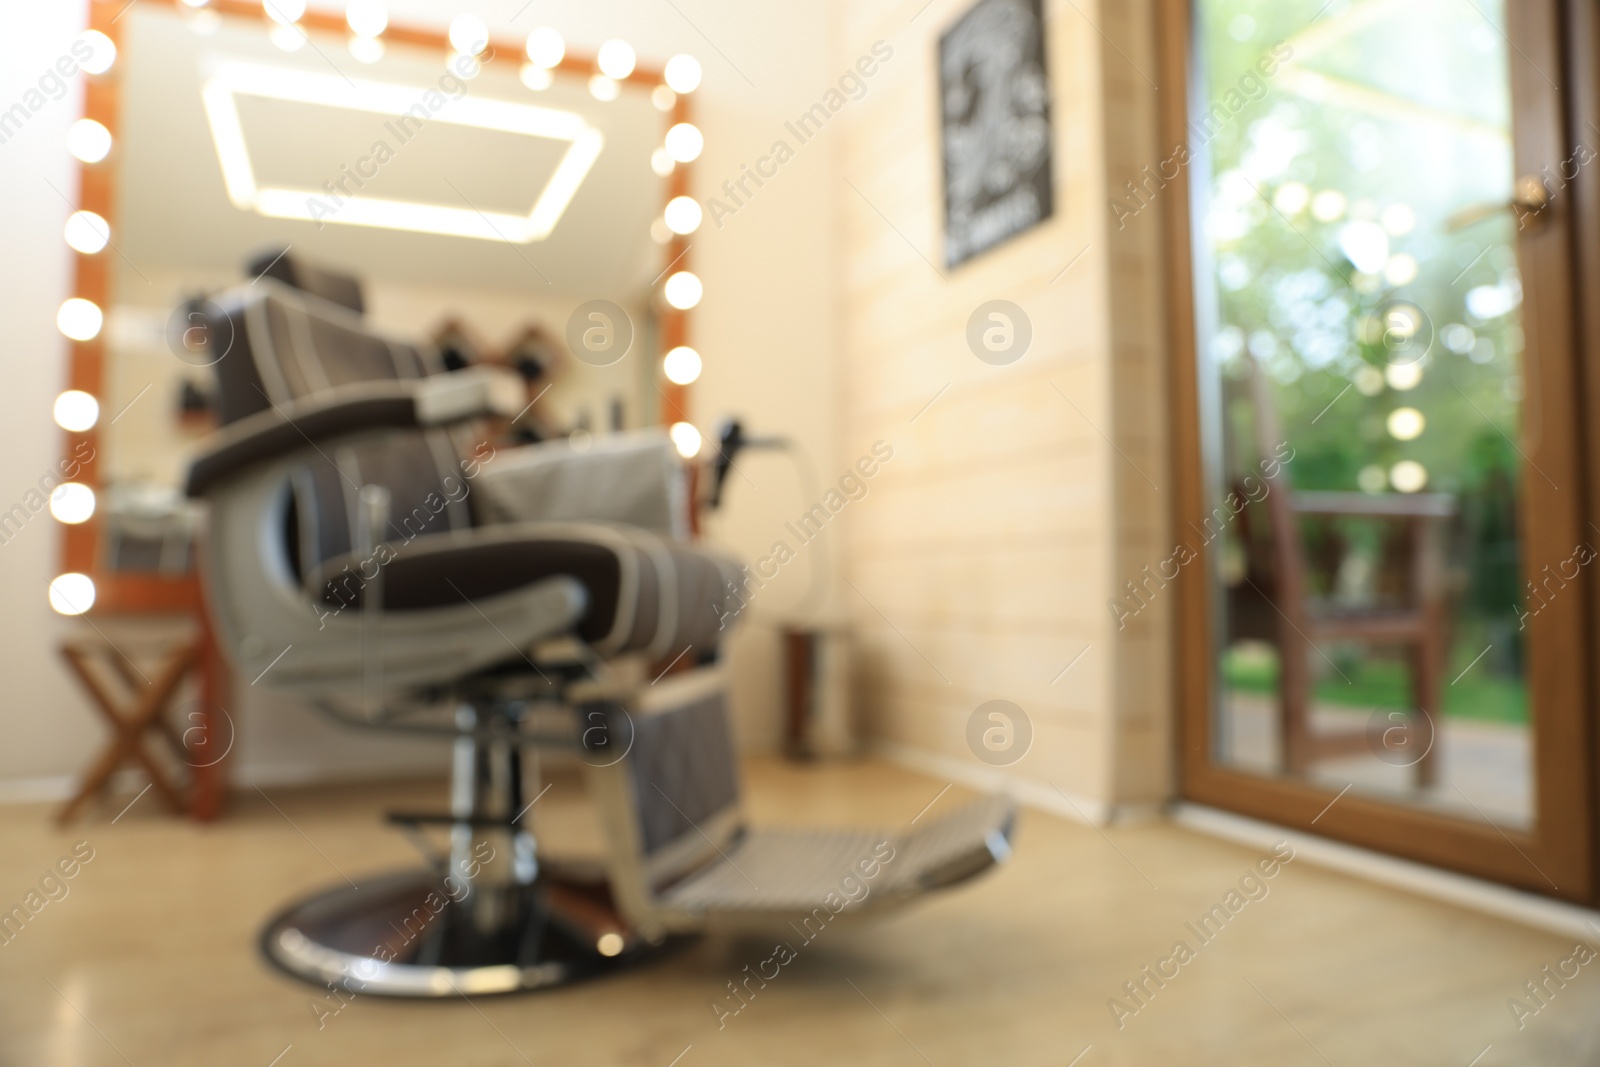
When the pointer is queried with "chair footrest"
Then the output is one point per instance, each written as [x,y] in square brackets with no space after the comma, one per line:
[792,872]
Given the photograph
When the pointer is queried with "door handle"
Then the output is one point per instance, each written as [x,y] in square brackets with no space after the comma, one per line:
[1529,199]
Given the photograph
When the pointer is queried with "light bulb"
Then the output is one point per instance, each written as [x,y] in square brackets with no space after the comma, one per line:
[285,11]
[536,77]
[366,49]
[367,18]
[683,73]
[288,38]
[1403,376]
[89,141]
[686,439]
[1328,205]
[663,98]
[76,411]
[469,35]
[103,53]
[603,88]
[616,59]
[1291,198]
[683,214]
[1402,269]
[661,162]
[1406,424]
[685,142]
[87,232]
[683,290]
[1408,476]
[72,594]
[80,319]
[682,365]
[72,503]
[546,48]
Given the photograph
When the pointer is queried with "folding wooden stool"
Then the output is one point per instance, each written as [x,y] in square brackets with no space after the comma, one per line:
[140,709]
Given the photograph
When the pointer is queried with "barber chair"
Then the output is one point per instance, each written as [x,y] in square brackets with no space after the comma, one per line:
[362,554]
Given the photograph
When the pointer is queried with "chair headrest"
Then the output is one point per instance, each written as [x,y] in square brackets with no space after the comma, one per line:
[331,285]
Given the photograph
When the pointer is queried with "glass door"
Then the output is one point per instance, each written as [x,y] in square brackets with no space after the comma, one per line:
[1383,629]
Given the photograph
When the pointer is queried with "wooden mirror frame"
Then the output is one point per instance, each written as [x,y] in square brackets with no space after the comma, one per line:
[130,593]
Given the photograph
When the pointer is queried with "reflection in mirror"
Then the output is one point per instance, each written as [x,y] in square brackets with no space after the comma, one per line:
[487,215]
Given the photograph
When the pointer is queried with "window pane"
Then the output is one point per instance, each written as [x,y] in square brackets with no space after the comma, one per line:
[1361,364]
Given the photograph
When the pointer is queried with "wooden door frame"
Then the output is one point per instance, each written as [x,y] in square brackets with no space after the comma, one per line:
[1582,36]
[1557,858]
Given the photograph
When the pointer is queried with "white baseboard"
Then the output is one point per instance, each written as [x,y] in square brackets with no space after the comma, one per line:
[52,789]
[37,790]
[1031,793]
[1526,908]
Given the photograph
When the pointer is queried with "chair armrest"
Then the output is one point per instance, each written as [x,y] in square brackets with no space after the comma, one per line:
[1368,506]
[350,410]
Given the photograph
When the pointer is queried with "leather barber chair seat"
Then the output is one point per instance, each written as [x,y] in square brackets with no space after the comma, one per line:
[365,554]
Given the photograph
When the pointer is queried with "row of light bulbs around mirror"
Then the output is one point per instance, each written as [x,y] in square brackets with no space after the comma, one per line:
[88,233]
[80,319]
[469,35]
[545,48]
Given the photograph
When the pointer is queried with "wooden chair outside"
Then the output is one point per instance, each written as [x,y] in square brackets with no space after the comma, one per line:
[1297,623]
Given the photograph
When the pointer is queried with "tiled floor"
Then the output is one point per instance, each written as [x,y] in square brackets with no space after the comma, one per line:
[150,959]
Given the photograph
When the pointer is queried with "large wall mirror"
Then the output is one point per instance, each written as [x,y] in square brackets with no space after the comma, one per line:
[507,201]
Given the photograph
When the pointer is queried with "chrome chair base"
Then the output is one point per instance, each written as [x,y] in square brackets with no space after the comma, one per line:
[405,935]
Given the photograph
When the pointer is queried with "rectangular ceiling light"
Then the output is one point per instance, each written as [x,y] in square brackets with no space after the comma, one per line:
[232,79]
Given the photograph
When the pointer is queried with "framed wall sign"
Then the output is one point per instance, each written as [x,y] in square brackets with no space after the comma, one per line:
[995,126]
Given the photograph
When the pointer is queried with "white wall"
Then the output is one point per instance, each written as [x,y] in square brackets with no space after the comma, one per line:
[766,330]
[46,726]
[982,558]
